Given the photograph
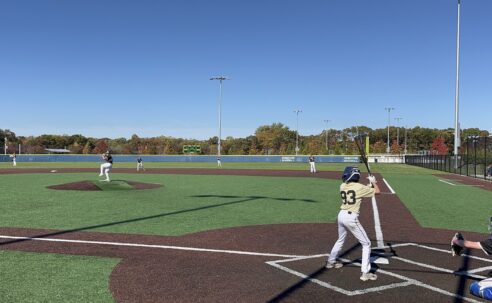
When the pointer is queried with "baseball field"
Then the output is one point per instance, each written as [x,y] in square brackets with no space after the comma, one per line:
[244,233]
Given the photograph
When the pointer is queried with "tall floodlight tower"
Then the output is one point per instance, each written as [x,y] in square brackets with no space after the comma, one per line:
[326,133]
[220,78]
[457,142]
[389,109]
[398,129]
[297,111]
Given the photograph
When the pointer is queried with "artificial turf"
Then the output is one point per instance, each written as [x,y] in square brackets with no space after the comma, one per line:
[40,277]
[185,203]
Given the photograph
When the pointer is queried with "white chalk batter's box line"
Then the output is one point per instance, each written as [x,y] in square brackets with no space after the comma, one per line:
[406,280]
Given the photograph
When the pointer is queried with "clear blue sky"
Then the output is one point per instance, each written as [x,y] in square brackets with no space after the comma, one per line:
[116,68]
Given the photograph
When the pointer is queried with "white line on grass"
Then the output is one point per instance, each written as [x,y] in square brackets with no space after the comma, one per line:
[471,185]
[152,246]
[447,182]
[390,188]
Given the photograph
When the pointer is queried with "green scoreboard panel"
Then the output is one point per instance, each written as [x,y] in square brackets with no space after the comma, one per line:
[191,149]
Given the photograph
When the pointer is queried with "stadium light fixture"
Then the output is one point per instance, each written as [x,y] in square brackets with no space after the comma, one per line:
[220,79]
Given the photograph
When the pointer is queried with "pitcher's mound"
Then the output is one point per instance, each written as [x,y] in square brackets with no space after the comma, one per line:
[102,185]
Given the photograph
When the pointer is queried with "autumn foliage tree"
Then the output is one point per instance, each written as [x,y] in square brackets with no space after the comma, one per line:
[439,147]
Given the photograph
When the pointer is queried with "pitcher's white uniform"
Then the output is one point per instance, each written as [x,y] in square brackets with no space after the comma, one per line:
[106,167]
[348,219]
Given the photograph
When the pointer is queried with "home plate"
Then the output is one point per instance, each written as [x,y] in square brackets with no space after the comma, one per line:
[379,260]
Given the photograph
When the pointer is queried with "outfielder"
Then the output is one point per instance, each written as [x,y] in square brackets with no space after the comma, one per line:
[352,193]
[14,160]
[107,165]
[312,164]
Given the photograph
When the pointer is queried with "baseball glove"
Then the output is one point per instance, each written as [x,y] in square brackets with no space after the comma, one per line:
[456,250]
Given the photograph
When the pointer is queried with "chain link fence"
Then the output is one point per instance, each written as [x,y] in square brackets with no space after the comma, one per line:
[474,159]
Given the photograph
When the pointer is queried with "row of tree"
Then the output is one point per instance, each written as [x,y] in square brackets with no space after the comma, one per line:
[275,139]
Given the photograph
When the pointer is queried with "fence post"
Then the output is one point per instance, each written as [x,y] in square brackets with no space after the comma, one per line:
[485,158]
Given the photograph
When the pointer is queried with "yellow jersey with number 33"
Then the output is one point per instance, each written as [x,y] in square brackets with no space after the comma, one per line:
[352,194]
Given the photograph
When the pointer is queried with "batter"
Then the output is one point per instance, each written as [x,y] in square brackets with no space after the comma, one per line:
[352,193]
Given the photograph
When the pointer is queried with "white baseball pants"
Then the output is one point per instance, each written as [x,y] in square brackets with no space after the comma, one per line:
[313,167]
[350,221]
[105,168]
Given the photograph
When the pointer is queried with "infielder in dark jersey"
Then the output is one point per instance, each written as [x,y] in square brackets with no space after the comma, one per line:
[140,164]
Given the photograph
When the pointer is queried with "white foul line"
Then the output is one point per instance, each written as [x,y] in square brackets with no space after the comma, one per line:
[152,246]
[377,223]
[447,182]
[390,188]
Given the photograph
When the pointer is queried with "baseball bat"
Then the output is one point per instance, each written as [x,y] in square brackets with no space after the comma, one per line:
[362,152]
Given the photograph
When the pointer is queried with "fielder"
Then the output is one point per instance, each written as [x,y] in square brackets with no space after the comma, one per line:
[352,193]
[140,164]
[106,166]
[219,164]
[14,159]
[312,164]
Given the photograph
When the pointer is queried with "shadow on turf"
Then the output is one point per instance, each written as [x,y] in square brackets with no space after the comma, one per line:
[255,198]
[247,199]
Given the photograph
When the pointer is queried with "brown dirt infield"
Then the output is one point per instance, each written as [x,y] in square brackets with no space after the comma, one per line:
[420,267]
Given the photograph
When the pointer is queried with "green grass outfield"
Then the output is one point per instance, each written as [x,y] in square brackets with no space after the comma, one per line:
[36,277]
[187,204]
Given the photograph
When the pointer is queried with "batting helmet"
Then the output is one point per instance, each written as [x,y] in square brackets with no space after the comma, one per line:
[351,174]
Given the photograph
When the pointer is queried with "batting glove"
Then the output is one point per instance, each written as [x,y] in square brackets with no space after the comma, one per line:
[372,179]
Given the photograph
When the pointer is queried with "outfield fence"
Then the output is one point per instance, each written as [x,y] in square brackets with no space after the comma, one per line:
[474,159]
[180,158]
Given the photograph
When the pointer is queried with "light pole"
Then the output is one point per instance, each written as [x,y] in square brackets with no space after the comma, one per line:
[326,133]
[389,109]
[297,111]
[405,140]
[398,130]
[5,146]
[220,78]
[456,98]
